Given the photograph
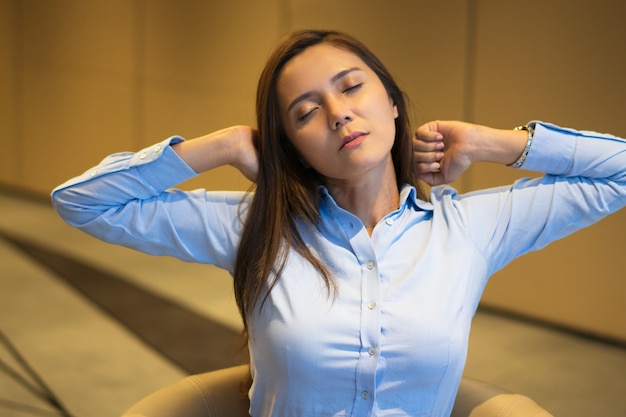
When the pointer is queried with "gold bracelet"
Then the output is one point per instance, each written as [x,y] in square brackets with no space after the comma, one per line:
[529,142]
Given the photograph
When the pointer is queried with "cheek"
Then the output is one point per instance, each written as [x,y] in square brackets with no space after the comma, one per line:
[308,136]
[304,142]
[307,147]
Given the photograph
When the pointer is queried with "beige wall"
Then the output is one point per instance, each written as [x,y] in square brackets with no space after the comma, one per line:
[564,63]
[81,79]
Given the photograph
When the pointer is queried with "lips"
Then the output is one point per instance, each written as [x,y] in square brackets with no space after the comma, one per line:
[351,140]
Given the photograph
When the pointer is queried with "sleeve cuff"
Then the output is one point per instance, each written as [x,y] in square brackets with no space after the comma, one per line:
[171,169]
[552,149]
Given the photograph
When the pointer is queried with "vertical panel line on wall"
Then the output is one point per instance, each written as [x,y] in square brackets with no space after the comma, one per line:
[469,77]
[18,90]
[469,80]
[138,89]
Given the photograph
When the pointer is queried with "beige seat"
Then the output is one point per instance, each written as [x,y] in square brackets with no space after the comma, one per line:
[221,394]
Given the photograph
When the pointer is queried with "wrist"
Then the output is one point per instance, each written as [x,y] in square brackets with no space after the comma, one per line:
[238,141]
[484,144]
[242,151]
[530,133]
[210,151]
[502,146]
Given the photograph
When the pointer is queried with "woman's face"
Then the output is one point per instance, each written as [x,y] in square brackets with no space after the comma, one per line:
[337,113]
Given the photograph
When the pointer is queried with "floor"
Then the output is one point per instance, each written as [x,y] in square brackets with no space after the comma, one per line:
[86,329]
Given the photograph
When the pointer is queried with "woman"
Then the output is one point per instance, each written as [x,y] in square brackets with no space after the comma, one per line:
[356,289]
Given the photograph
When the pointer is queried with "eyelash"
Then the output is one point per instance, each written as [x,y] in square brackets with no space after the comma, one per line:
[305,116]
[351,89]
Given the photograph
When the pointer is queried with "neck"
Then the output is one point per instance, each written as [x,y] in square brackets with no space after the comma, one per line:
[368,199]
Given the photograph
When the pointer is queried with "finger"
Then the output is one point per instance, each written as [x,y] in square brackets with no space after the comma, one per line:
[430,126]
[428,136]
[420,145]
[422,168]
[428,132]
[434,156]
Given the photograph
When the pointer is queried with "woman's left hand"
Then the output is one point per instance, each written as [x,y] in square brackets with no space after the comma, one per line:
[441,150]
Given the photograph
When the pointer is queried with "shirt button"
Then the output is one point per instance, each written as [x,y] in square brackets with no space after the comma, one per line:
[371,305]
[370,265]
[157,149]
[371,351]
[389,222]
[365,395]
[142,156]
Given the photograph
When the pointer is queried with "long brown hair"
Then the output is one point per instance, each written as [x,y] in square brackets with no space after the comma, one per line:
[287,191]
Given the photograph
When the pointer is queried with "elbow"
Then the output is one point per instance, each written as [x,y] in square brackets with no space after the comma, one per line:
[71,208]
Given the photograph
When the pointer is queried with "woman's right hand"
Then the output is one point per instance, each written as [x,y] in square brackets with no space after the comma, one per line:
[246,158]
[235,146]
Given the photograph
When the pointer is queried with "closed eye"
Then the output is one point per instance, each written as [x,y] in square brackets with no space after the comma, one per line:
[304,117]
[353,88]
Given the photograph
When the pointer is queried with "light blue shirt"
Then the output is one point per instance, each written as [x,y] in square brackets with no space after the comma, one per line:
[393,340]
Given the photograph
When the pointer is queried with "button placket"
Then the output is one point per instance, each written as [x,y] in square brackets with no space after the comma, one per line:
[370,325]
[365,378]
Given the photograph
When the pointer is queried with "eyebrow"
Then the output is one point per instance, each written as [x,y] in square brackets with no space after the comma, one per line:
[333,79]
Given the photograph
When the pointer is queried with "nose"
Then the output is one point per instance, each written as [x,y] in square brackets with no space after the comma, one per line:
[338,113]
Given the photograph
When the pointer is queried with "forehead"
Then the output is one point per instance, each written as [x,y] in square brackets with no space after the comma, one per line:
[316,66]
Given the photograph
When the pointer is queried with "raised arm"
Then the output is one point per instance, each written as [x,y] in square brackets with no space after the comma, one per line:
[129,199]
[584,180]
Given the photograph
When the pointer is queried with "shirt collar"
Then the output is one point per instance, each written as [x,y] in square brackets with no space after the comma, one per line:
[408,198]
